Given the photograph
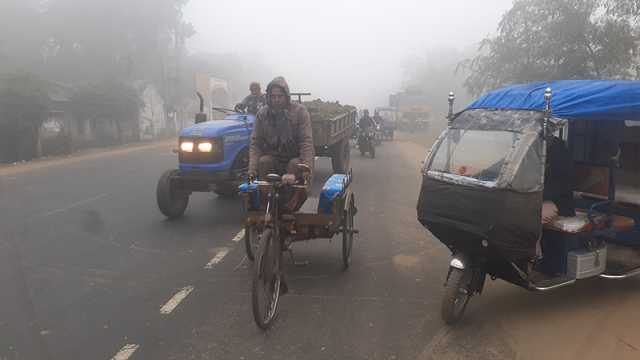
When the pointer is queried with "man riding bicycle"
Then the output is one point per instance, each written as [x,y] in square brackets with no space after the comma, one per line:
[281,140]
[281,137]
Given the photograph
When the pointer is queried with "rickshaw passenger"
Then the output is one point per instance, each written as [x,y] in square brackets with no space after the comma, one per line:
[558,182]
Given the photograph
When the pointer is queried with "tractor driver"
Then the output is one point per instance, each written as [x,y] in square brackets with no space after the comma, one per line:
[254,101]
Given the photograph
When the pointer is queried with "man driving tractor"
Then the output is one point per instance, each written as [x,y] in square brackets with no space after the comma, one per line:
[253,102]
[281,137]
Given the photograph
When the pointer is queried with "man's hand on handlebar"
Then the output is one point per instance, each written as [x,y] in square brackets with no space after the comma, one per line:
[288,179]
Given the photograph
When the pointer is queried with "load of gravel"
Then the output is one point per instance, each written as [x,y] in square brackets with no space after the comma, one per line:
[320,110]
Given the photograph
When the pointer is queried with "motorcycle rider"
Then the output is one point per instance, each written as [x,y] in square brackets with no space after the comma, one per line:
[378,119]
[366,125]
[366,122]
[253,102]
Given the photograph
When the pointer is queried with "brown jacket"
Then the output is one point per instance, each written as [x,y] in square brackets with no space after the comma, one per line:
[285,139]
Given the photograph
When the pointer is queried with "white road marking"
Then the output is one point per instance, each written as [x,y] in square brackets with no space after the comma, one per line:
[74,205]
[125,352]
[240,236]
[216,259]
[167,308]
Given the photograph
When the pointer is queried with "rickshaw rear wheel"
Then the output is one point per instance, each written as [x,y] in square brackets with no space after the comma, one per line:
[372,151]
[456,296]
[251,241]
[265,289]
[347,233]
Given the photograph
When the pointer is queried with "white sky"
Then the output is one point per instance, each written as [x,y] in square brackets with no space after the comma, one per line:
[350,50]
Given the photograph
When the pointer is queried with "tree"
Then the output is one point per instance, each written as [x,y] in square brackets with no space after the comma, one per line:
[126,39]
[434,75]
[21,36]
[105,105]
[629,8]
[24,105]
[554,39]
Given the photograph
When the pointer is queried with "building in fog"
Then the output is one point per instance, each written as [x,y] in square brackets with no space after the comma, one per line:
[216,93]
[153,120]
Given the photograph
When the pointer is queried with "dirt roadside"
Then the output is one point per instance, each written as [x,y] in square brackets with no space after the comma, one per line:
[593,319]
[88,154]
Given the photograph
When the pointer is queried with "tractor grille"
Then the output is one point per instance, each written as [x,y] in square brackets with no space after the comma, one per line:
[196,157]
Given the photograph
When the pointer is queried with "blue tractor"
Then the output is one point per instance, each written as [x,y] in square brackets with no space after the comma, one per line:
[213,156]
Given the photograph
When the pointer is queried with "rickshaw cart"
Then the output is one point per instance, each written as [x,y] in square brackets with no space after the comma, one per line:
[277,216]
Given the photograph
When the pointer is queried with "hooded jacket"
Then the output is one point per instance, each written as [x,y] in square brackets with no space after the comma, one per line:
[282,134]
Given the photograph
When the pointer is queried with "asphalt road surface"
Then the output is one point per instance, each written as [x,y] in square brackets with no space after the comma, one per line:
[89,269]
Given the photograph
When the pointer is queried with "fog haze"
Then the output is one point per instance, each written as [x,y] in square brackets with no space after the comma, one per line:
[352,51]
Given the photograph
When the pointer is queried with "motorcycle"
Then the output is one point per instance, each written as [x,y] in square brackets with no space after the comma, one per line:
[366,142]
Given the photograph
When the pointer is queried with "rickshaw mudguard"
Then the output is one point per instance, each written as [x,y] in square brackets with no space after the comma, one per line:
[462,216]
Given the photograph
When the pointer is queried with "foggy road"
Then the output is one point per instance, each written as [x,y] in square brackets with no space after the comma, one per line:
[90,269]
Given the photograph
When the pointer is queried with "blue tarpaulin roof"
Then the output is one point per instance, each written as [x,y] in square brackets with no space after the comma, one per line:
[572,99]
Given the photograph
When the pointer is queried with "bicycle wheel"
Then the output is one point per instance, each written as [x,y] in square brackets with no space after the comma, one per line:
[265,290]
[347,233]
[251,241]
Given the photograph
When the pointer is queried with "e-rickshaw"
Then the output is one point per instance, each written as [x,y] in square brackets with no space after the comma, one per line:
[388,126]
[485,179]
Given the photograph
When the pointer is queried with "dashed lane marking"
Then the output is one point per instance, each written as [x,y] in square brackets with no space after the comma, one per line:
[74,205]
[239,237]
[216,259]
[167,308]
[126,352]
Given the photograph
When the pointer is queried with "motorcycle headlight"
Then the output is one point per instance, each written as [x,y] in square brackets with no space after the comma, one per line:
[187,146]
[205,147]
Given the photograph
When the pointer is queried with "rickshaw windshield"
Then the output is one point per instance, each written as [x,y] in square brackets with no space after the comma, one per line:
[477,154]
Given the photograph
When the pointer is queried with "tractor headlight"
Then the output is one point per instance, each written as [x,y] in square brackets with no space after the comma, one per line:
[187,146]
[205,147]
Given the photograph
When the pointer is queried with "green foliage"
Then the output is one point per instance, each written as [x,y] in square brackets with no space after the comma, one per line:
[70,40]
[110,100]
[628,8]
[24,105]
[434,75]
[554,39]
[23,101]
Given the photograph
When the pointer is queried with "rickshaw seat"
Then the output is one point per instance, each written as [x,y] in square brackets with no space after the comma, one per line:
[580,223]
[621,223]
[310,206]
[571,224]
